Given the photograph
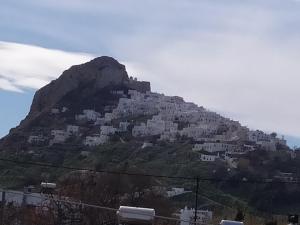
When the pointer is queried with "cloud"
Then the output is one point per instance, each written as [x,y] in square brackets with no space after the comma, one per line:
[236,57]
[254,80]
[27,66]
[8,86]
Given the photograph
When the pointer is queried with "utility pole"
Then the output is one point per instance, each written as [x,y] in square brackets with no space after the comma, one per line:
[2,208]
[196,199]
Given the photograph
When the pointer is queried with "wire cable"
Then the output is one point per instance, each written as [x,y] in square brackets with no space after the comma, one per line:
[261,181]
[92,206]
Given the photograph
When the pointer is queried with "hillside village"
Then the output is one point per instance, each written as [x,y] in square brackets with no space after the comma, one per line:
[164,118]
[96,117]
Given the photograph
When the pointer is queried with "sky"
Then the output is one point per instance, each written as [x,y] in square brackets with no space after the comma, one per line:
[239,58]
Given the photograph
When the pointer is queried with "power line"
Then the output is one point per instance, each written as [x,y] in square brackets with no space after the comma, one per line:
[92,170]
[262,181]
[92,206]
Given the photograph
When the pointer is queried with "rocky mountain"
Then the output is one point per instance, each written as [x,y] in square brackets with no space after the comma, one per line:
[95,115]
[90,103]
[85,86]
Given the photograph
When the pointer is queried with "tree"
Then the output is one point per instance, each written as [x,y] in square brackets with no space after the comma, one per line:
[273,135]
[240,216]
[110,190]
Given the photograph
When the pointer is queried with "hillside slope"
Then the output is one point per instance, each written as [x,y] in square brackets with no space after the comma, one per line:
[96,116]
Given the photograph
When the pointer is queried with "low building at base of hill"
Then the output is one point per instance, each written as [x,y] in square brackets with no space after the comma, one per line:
[209,157]
[187,216]
[176,191]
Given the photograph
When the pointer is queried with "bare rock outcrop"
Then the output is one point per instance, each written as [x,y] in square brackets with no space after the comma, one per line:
[75,87]
[97,74]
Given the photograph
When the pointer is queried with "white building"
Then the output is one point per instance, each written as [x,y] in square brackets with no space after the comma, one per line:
[89,115]
[146,145]
[64,109]
[139,131]
[95,140]
[107,130]
[108,117]
[197,132]
[293,154]
[59,136]
[117,92]
[36,139]
[85,153]
[100,121]
[123,126]
[171,127]
[231,161]
[267,145]
[55,111]
[73,130]
[187,216]
[176,192]
[155,126]
[257,135]
[280,141]
[215,147]
[18,198]
[168,136]
[208,158]
[239,151]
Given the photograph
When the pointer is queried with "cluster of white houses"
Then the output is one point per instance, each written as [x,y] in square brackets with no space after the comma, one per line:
[57,136]
[167,117]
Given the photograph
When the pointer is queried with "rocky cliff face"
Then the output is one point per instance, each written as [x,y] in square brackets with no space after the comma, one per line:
[85,85]
[96,74]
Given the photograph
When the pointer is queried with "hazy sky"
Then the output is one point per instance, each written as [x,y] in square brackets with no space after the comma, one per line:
[239,58]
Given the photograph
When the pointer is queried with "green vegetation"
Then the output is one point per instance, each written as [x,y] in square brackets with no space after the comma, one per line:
[170,159]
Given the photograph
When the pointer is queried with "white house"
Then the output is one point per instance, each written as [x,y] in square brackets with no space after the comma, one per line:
[59,136]
[168,136]
[146,145]
[123,126]
[55,111]
[95,140]
[280,141]
[267,145]
[36,139]
[248,148]
[257,135]
[293,154]
[100,121]
[88,114]
[215,147]
[64,109]
[108,117]
[18,198]
[91,114]
[139,131]
[107,130]
[117,92]
[176,192]
[208,158]
[72,129]
[231,161]
[171,127]
[197,131]
[156,125]
[187,216]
